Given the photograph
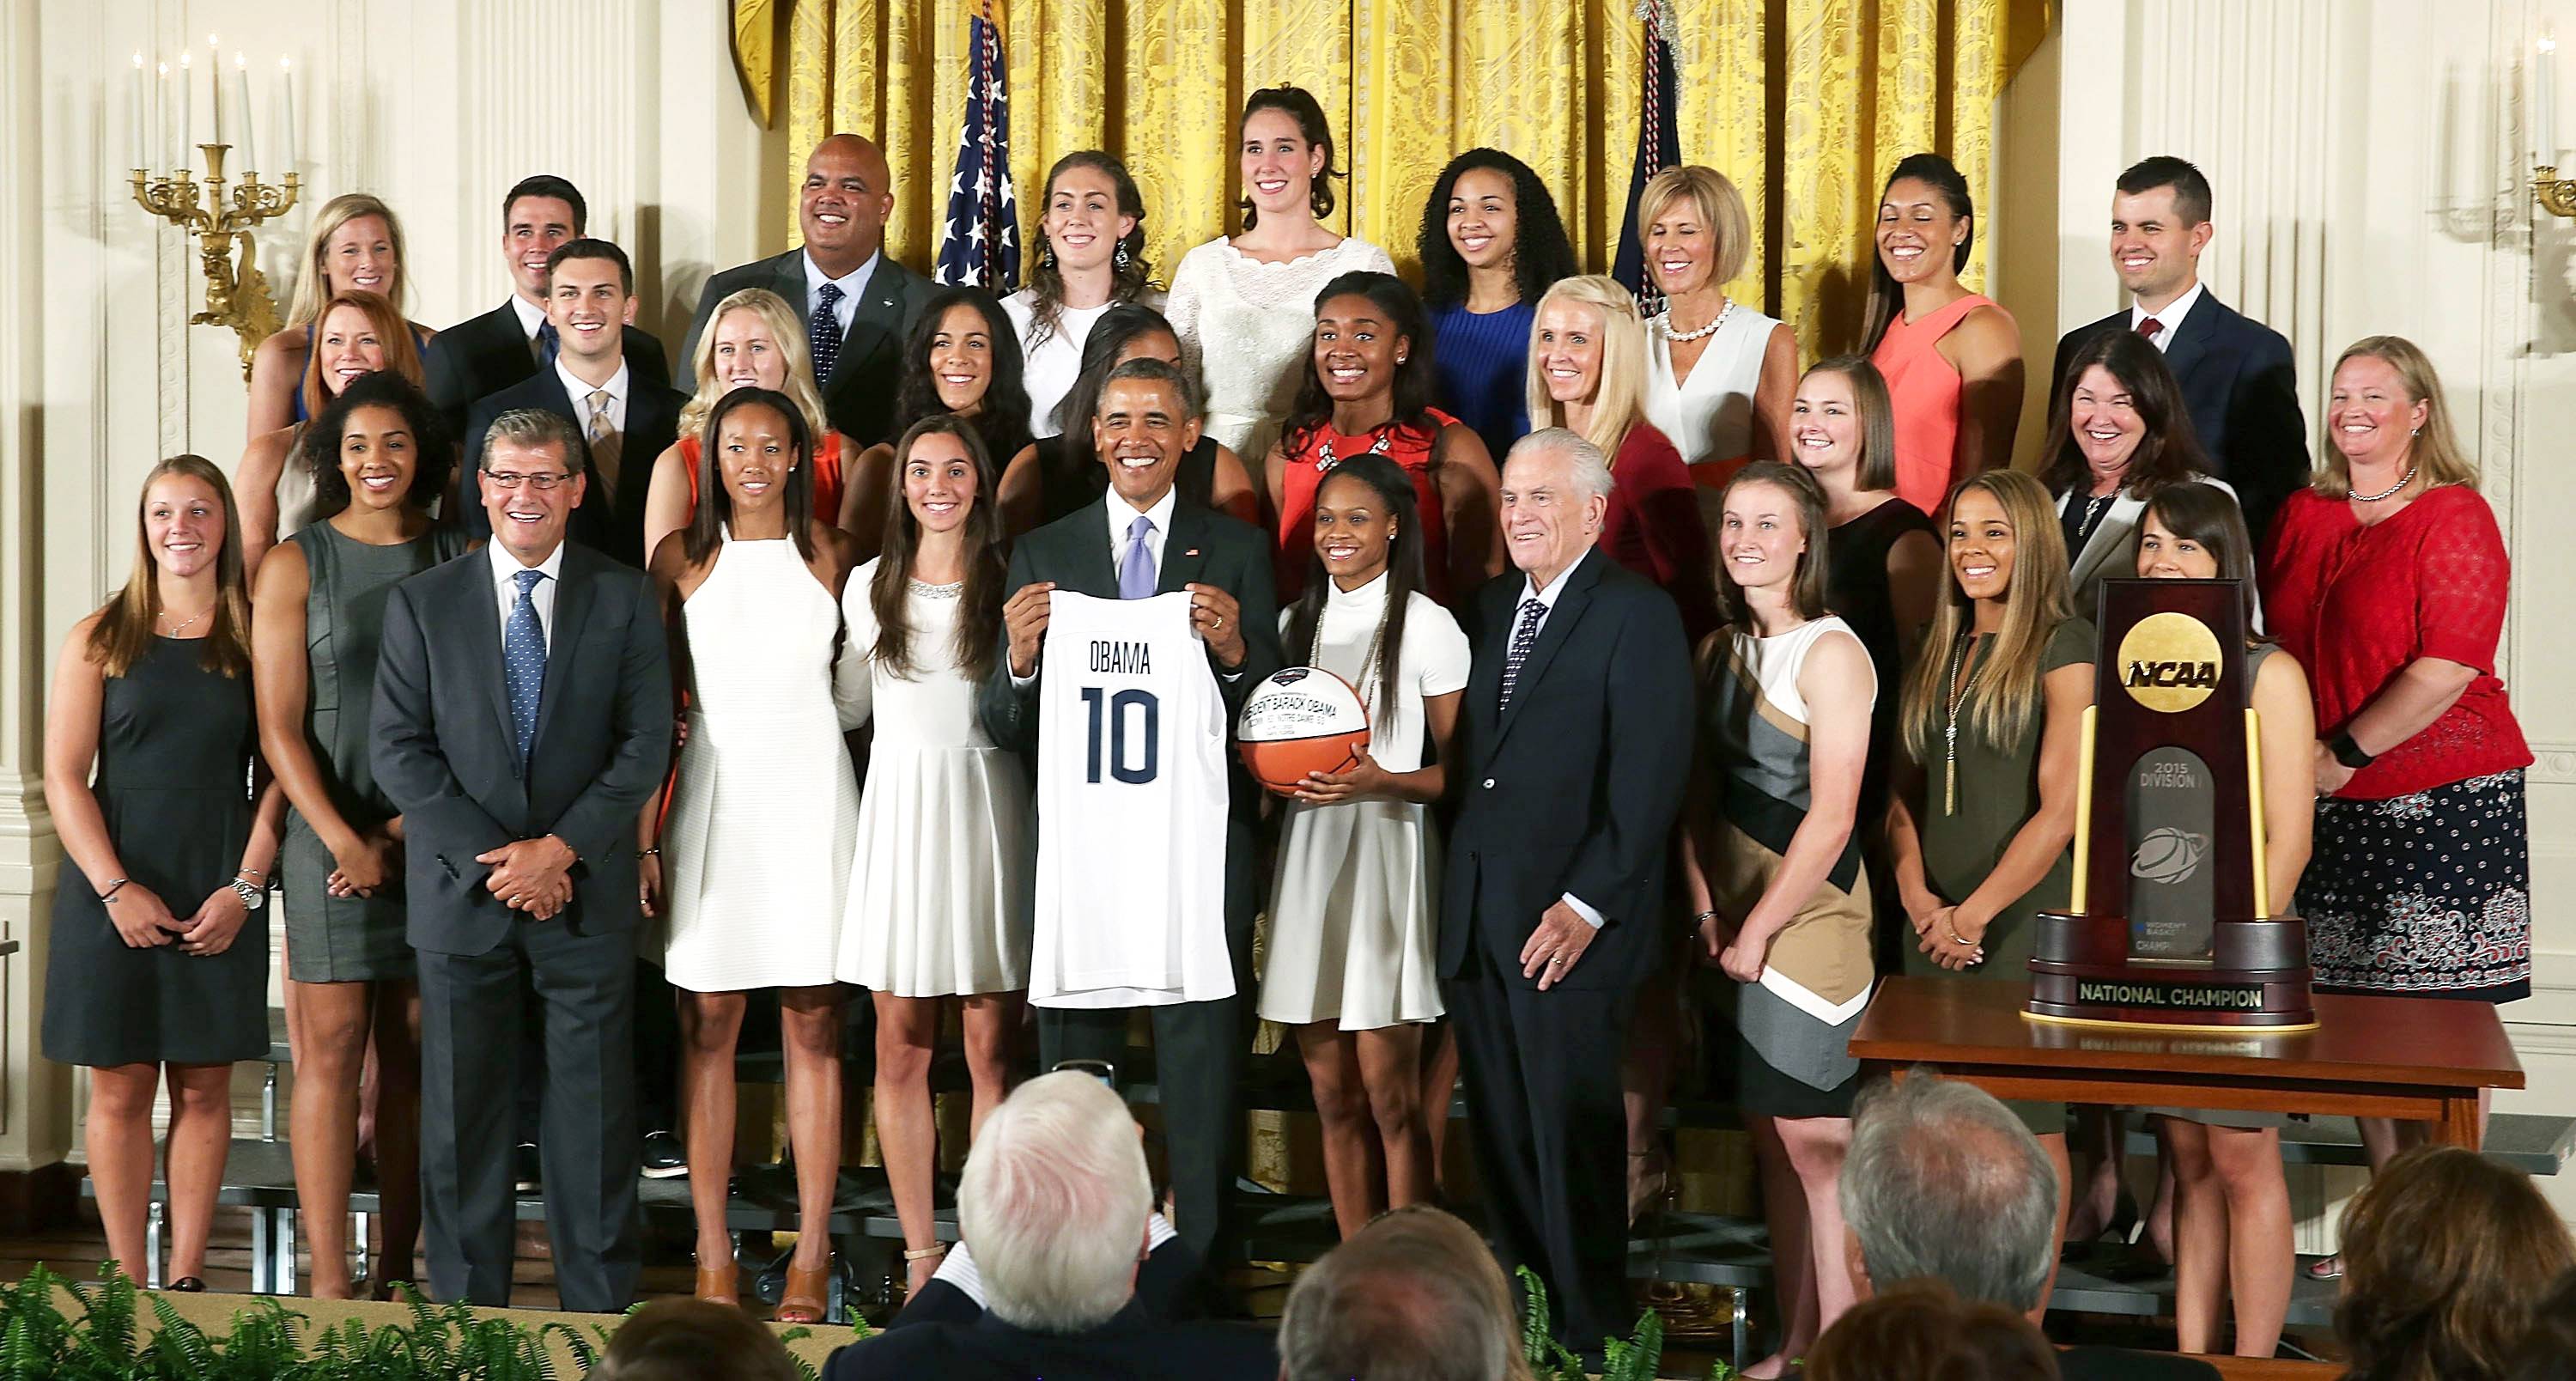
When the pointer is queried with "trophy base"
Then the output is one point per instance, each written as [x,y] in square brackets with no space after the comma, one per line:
[2257,978]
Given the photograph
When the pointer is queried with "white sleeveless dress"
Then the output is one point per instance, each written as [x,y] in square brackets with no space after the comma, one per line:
[1709,415]
[1250,326]
[765,809]
[1354,924]
[939,897]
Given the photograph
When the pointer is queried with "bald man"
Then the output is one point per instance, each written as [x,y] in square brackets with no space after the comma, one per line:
[856,303]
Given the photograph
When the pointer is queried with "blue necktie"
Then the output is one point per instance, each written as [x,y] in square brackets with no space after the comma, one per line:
[549,345]
[1136,570]
[523,663]
[823,333]
[1523,638]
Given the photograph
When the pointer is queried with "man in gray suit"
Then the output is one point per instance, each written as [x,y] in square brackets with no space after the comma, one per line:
[856,303]
[522,719]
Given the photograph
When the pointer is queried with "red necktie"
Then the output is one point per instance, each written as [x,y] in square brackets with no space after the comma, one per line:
[2150,328]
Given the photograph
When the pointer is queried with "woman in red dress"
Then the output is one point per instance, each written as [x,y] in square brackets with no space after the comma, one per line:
[753,339]
[1367,391]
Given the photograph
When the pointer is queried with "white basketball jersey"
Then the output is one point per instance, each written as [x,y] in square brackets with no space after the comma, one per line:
[1131,797]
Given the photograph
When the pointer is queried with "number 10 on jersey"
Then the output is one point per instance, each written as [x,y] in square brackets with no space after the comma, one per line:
[1110,716]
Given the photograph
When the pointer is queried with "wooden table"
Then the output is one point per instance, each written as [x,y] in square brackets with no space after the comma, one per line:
[2419,1059]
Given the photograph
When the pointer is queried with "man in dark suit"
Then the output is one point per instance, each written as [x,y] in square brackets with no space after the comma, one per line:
[2238,378]
[1149,418]
[1573,745]
[1054,1204]
[522,719]
[485,354]
[855,302]
[626,417]
[1942,1182]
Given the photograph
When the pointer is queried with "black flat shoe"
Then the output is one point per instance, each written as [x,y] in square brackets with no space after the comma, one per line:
[187,1285]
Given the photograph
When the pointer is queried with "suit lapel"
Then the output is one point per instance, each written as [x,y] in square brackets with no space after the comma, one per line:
[1561,618]
[1086,555]
[2191,339]
[2109,536]
[572,607]
[483,619]
[1184,549]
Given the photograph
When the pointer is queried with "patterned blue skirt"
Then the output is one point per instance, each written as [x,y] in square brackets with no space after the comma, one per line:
[2424,895]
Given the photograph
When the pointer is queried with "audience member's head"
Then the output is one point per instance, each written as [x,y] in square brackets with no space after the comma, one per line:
[1054,1204]
[1923,1331]
[1943,1182]
[693,1340]
[2548,1350]
[2446,1256]
[1414,1296]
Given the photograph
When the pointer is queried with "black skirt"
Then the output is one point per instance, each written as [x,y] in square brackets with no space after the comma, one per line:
[2423,895]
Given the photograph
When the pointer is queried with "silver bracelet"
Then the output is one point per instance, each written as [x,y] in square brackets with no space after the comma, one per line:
[112,889]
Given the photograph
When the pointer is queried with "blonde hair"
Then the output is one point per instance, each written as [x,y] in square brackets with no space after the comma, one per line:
[127,624]
[393,336]
[1721,209]
[1619,398]
[311,290]
[787,331]
[2436,447]
[2007,692]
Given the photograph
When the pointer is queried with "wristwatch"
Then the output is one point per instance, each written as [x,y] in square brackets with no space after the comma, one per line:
[253,897]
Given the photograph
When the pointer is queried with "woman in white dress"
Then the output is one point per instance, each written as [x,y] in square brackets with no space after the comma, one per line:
[1090,257]
[747,884]
[939,901]
[1245,305]
[1719,375]
[1353,932]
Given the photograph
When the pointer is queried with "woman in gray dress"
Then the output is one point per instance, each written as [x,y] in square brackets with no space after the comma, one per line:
[378,460]
[155,960]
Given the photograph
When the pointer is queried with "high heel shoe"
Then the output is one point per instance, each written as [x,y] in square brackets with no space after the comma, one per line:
[720,1284]
[807,1296]
[1646,1182]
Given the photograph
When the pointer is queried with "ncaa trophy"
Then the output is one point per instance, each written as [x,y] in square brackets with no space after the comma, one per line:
[2171,923]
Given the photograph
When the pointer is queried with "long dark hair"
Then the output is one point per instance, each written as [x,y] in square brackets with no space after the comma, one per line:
[1129,277]
[1299,105]
[1002,421]
[2208,518]
[979,605]
[1886,297]
[1807,588]
[1541,253]
[1413,376]
[1071,456]
[705,531]
[433,454]
[1403,573]
[2170,451]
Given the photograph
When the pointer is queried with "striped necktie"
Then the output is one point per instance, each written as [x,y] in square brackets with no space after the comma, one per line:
[1524,635]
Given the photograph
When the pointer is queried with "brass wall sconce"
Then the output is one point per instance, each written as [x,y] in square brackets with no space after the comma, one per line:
[237,297]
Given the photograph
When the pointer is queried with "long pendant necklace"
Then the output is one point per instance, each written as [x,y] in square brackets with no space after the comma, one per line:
[1958,696]
[1368,664]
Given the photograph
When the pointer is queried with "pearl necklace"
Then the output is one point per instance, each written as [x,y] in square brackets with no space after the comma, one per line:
[2390,492]
[1703,333]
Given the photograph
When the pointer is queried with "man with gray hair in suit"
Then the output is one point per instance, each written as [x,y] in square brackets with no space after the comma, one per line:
[1414,1296]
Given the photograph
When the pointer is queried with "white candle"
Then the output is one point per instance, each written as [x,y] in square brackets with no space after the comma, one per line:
[215,85]
[248,130]
[161,106]
[142,138]
[187,110]
[2544,104]
[286,112]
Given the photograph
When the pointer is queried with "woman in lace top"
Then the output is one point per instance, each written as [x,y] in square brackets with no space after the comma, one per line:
[1244,305]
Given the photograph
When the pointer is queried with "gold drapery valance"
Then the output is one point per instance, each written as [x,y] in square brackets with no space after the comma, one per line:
[1805,103]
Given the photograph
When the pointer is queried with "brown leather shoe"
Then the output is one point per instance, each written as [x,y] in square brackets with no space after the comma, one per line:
[720,1284]
[804,1299]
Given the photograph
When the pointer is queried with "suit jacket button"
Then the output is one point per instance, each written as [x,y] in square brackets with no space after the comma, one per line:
[1489,783]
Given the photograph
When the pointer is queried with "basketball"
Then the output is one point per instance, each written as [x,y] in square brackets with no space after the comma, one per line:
[1297,721]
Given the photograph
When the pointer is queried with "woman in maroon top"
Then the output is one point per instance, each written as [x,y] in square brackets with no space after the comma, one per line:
[2387,581]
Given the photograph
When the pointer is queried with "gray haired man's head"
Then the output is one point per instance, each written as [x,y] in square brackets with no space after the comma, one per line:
[1054,1203]
[1414,1296]
[1943,1182]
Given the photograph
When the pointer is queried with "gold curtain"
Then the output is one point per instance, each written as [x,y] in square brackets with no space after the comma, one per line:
[1804,103]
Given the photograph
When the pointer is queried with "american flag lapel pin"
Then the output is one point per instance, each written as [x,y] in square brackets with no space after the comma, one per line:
[1191,552]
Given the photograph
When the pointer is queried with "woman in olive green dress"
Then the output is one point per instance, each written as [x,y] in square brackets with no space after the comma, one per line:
[1983,814]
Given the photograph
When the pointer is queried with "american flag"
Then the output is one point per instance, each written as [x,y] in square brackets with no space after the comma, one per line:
[1659,146]
[979,243]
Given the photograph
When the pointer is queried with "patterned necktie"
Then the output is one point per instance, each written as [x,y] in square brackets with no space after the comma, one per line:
[523,663]
[604,441]
[549,345]
[2151,328]
[1524,634]
[823,333]
[1136,569]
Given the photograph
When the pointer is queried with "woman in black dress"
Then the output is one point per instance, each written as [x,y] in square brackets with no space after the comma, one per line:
[157,959]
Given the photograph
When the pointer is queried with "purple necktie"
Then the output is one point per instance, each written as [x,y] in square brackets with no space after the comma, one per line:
[1136,570]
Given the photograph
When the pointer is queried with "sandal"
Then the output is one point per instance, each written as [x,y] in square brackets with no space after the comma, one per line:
[807,1296]
[1646,1183]
[720,1284]
[2326,1268]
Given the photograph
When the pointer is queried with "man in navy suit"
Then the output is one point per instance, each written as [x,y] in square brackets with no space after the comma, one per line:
[2237,376]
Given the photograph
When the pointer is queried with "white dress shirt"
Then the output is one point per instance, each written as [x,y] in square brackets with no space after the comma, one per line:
[532,318]
[2170,318]
[505,586]
[579,390]
[852,284]
[1547,608]
[1123,516]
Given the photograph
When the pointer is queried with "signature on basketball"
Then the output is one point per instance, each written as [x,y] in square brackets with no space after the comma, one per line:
[2168,855]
